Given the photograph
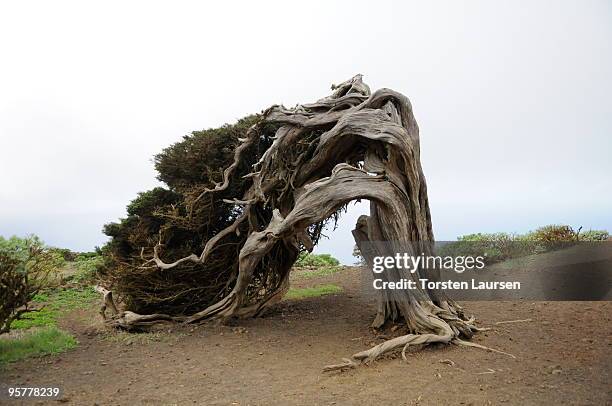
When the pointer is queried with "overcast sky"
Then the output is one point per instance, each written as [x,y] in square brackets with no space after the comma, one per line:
[512,98]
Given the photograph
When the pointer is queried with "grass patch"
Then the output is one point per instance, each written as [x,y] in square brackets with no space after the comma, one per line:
[295,293]
[323,271]
[37,342]
[55,303]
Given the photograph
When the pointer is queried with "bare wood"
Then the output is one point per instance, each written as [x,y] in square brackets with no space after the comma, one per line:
[513,321]
[351,145]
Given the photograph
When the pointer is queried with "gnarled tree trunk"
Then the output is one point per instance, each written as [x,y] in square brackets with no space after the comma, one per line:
[351,145]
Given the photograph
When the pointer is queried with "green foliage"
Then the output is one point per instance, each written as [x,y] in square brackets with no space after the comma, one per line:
[70,299]
[302,293]
[144,217]
[86,267]
[184,222]
[37,342]
[54,304]
[553,233]
[307,259]
[64,253]
[178,220]
[201,156]
[594,235]
[502,246]
[29,251]
[494,246]
[147,202]
[321,264]
[19,248]
[25,264]
[80,256]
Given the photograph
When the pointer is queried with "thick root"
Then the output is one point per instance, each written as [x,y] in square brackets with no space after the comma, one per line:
[457,341]
[405,341]
[127,320]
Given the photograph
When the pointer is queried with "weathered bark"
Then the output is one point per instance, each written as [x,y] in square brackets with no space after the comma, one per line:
[350,145]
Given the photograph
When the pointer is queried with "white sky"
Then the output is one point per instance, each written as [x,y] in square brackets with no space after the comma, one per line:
[512,98]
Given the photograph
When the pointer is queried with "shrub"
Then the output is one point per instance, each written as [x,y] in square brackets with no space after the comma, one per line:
[553,233]
[24,268]
[87,267]
[594,235]
[64,253]
[307,259]
[495,246]
[502,246]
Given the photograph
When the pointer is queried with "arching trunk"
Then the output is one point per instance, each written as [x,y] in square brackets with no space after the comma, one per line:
[350,145]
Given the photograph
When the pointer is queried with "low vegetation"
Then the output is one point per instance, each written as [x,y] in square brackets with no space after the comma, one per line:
[35,342]
[317,265]
[38,284]
[315,260]
[502,246]
[25,265]
[322,271]
[53,304]
[303,293]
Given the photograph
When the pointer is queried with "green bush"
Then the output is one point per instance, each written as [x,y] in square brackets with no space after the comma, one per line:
[25,264]
[87,267]
[594,235]
[502,246]
[494,246]
[307,259]
[64,253]
[553,233]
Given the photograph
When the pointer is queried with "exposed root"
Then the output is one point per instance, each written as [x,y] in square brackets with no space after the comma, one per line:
[108,302]
[127,320]
[448,332]
[458,341]
[513,321]
[365,357]
[347,364]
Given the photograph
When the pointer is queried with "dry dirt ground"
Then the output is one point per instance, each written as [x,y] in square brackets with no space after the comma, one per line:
[563,356]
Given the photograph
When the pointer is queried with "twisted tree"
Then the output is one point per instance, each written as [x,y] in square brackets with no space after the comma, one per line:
[223,249]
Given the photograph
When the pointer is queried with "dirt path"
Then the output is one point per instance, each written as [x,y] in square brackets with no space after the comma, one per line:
[563,357]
